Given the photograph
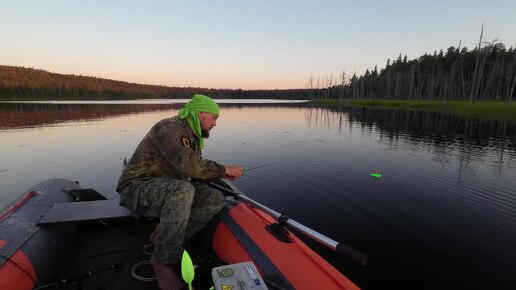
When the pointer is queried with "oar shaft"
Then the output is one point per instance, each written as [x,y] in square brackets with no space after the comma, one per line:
[355,255]
[358,257]
[298,226]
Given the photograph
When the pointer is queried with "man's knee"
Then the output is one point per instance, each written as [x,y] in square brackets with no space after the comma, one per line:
[179,192]
[217,198]
[184,187]
[210,197]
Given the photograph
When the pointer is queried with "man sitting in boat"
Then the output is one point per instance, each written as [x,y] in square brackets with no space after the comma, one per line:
[161,178]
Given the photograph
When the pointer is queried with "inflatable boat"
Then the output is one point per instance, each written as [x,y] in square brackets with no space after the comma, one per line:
[58,235]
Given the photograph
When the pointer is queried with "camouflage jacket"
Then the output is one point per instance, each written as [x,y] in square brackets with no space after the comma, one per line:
[170,149]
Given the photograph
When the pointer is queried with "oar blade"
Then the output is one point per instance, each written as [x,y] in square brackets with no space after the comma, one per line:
[352,254]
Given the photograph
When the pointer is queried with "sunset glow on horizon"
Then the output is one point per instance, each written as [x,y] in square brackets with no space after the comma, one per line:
[239,44]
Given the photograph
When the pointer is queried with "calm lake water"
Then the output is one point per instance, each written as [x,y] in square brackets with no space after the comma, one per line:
[443,216]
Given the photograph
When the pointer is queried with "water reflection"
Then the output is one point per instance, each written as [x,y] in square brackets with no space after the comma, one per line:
[442,217]
[30,115]
[35,114]
[448,136]
[446,206]
[420,126]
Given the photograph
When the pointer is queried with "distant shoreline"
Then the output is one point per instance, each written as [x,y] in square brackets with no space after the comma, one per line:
[152,101]
[483,110]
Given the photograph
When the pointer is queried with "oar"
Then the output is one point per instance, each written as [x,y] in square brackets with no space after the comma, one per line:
[353,254]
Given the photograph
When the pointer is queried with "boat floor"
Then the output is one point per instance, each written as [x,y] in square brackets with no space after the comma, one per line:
[110,250]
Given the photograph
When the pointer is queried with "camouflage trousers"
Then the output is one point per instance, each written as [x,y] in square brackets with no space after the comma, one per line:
[182,207]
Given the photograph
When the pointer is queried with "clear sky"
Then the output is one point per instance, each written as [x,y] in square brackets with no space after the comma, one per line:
[248,44]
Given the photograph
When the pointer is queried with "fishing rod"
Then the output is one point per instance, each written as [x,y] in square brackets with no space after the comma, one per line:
[347,251]
[80,277]
[245,170]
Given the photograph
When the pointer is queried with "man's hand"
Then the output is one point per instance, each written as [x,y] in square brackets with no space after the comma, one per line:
[233,172]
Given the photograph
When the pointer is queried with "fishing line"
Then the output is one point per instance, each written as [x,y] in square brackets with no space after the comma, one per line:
[245,170]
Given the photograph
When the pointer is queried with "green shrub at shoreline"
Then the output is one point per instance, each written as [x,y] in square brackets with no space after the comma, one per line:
[495,111]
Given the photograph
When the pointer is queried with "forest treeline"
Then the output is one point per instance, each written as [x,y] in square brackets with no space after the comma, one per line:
[487,73]
[20,83]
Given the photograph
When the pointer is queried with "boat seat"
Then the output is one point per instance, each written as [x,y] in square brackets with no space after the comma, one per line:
[84,194]
[84,211]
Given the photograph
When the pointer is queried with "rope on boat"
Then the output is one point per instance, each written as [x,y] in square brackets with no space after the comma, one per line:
[138,277]
[18,205]
[19,266]
[144,263]
[146,250]
[137,266]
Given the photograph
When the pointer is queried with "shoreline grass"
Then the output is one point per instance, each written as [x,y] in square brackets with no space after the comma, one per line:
[491,111]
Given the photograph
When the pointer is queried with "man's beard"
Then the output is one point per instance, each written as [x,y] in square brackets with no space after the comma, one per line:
[205,134]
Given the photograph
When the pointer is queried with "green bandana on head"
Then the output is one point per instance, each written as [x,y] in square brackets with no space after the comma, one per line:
[190,112]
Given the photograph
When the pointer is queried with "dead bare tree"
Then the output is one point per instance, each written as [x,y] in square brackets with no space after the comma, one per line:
[328,87]
[489,87]
[342,83]
[411,86]
[474,80]
[511,83]
[310,86]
